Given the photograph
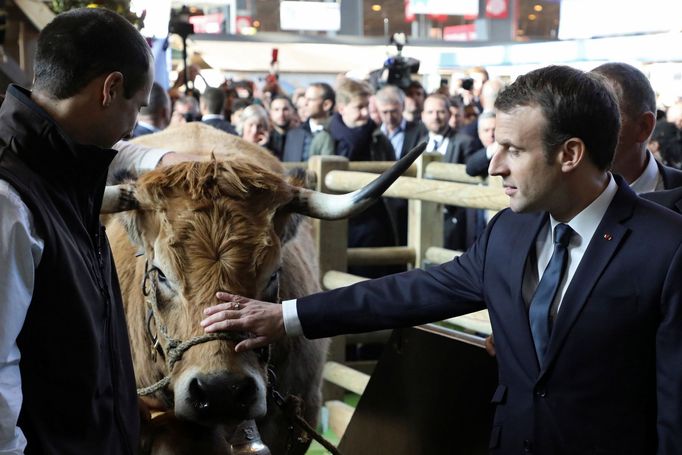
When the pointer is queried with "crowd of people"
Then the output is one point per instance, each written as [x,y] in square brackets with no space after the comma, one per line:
[580,276]
[365,123]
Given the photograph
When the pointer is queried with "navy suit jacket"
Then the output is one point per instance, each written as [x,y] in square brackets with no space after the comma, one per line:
[221,124]
[612,383]
[671,199]
[672,178]
[295,143]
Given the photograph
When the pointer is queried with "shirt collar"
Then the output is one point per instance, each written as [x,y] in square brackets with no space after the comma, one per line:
[148,126]
[212,116]
[401,128]
[585,223]
[648,180]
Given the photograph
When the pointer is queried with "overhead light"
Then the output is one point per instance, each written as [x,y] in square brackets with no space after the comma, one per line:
[538,8]
[532,17]
[376,8]
[256,23]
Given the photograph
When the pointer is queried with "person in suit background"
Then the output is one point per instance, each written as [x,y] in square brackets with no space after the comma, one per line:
[637,103]
[281,121]
[456,147]
[404,136]
[212,106]
[319,106]
[589,343]
[156,115]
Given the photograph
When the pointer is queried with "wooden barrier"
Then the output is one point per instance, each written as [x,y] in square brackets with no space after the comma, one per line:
[451,193]
[426,197]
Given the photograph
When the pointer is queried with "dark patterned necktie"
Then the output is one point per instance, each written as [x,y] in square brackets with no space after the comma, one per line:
[541,304]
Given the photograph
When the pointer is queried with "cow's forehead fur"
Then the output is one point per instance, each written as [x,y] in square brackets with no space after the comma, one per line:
[219,221]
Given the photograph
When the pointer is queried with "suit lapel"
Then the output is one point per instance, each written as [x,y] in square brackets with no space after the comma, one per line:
[523,244]
[607,239]
[450,151]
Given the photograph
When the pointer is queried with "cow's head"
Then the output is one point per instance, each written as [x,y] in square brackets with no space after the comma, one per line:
[219,226]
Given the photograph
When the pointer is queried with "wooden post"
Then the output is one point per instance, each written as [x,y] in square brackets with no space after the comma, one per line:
[331,241]
[424,219]
[331,237]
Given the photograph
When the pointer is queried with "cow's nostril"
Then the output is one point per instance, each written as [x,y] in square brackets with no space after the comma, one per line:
[211,396]
[197,394]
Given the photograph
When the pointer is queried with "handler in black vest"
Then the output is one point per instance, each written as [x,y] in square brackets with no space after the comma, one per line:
[61,315]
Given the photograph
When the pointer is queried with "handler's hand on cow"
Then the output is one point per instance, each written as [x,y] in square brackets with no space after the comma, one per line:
[262,319]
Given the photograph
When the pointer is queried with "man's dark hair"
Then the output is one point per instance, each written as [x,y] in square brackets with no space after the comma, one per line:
[632,88]
[414,85]
[574,103]
[158,100]
[85,43]
[327,93]
[282,97]
[214,99]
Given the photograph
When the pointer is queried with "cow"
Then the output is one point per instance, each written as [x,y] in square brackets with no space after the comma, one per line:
[232,222]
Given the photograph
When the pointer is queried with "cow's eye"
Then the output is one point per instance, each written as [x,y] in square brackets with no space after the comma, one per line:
[162,277]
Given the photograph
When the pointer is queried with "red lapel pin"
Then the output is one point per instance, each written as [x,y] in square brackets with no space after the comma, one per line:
[608,236]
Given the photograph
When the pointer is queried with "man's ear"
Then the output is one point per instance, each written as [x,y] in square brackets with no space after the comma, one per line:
[646,125]
[571,154]
[327,106]
[112,87]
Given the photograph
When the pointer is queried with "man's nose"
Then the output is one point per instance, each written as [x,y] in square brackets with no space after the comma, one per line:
[497,164]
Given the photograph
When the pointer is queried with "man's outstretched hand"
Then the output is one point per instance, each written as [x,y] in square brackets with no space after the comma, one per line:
[238,314]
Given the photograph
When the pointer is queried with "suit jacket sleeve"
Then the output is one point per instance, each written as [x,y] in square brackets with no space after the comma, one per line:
[401,300]
[669,362]
[477,164]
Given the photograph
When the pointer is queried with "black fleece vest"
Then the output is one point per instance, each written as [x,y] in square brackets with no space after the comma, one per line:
[76,368]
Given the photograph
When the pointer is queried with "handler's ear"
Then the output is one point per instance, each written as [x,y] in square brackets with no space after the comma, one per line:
[112,87]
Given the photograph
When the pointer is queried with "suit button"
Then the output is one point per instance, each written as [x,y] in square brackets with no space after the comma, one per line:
[541,393]
[527,446]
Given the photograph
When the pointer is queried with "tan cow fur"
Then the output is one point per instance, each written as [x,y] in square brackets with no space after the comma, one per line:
[215,226]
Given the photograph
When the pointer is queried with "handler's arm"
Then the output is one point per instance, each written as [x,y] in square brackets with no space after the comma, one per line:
[20,252]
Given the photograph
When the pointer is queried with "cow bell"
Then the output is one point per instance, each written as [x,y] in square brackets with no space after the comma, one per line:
[246,440]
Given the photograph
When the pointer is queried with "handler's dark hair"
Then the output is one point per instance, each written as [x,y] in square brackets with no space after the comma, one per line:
[574,103]
[84,43]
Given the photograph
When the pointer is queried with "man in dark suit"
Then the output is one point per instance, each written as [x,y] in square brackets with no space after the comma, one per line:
[404,135]
[589,342]
[319,105]
[637,102]
[212,106]
[456,147]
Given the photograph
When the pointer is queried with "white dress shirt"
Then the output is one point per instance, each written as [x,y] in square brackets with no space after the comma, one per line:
[437,143]
[584,224]
[397,137]
[650,180]
[21,248]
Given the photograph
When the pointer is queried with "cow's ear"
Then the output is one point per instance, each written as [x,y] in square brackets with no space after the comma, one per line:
[286,225]
[131,222]
[300,177]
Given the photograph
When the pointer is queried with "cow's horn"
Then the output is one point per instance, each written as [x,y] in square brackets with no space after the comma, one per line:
[119,198]
[338,206]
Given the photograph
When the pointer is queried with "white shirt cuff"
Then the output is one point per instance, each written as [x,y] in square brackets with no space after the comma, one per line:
[151,159]
[292,325]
